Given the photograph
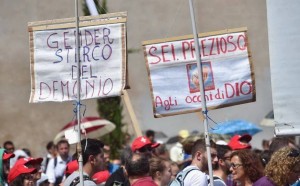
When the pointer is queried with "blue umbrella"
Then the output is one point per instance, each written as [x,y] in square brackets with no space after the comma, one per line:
[233,127]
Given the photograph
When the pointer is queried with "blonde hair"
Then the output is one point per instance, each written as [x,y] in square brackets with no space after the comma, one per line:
[281,165]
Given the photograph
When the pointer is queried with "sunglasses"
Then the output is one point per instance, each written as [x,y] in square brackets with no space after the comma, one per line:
[294,153]
[235,165]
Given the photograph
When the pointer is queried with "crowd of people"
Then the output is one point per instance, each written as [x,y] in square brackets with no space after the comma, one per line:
[145,162]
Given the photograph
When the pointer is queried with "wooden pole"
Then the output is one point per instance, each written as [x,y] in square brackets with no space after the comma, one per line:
[134,120]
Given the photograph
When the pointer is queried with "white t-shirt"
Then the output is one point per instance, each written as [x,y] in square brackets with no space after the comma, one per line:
[176,152]
[195,177]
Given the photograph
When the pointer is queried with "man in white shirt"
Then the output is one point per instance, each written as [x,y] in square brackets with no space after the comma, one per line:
[198,177]
[56,166]
[93,161]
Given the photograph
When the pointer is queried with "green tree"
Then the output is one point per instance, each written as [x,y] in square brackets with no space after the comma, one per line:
[109,108]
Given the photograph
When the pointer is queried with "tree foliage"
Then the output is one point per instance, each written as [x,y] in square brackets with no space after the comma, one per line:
[109,108]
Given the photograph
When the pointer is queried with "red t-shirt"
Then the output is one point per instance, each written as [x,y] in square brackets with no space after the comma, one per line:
[144,181]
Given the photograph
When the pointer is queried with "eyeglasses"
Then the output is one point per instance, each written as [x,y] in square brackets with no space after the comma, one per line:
[294,153]
[235,166]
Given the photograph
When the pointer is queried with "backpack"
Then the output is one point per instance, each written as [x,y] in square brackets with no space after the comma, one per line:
[179,180]
[77,180]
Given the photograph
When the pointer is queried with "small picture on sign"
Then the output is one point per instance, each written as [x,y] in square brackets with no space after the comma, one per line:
[193,77]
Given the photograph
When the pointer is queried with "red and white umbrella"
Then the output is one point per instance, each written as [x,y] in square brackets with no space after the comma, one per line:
[93,127]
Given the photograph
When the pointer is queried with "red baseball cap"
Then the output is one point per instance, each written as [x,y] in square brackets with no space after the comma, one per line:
[71,167]
[29,160]
[7,156]
[238,142]
[142,141]
[101,176]
[17,170]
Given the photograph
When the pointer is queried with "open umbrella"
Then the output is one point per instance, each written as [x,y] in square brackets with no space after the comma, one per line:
[93,127]
[233,127]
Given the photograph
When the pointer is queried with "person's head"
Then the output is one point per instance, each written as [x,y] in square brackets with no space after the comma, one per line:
[223,153]
[21,175]
[106,150]
[150,134]
[245,166]
[160,171]
[5,163]
[199,154]
[137,165]
[280,142]
[144,146]
[126,153]
[51,148]
[93,155]
[32,163]
[239,142]
[9,146]
[265,157]
[162,152]
[63,148]
[284,166]
[265,144]
[174,170]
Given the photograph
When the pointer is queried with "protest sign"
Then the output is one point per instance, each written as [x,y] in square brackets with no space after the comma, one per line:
[226,66]
[102,43]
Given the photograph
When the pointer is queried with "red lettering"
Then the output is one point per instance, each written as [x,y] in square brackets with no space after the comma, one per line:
[229,38]
[239,43]
[163,53]
[185,47]
[203,47]
[242,87]
[154,49]
[228,85]
[212,46]
[223,44]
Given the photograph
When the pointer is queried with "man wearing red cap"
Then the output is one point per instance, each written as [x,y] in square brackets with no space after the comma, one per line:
[4,165]
[143,145]
[239,142]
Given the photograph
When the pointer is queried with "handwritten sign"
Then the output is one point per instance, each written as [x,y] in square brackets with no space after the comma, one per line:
[172,68]
[102,42]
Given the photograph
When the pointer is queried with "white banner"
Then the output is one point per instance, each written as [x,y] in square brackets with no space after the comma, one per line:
[54,68]
[174,78]
[283,32]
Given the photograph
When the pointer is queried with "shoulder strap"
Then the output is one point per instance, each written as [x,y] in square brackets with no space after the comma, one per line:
[77,180]
[181,175]
[214,178]
[189,172]
[55,162]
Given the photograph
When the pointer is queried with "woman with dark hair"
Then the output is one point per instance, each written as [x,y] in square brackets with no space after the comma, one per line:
[283,169]
[160,171]
[246,167]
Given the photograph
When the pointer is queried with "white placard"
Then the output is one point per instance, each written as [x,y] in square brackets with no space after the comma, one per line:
[54,68]
[174,79]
